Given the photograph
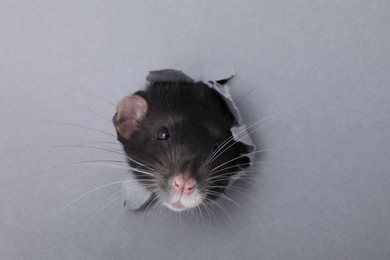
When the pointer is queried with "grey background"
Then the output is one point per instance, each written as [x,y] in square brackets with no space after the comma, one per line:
[322,191]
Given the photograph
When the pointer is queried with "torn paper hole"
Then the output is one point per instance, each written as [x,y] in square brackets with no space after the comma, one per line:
[135,194]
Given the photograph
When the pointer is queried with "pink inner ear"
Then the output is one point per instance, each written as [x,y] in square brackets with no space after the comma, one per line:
[131,109]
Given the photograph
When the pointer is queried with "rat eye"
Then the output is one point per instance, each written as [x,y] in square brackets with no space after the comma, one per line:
[163,134]
[217,143]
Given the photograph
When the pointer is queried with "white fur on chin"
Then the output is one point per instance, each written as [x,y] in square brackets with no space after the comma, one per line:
[181,202]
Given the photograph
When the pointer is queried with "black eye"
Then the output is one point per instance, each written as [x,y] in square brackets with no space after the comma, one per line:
[163,134]
[217,143]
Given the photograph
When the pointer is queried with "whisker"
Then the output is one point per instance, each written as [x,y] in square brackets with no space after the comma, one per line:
[75,125]
[195,211]
[90,110]
[237,189]
[273,163]
[84,144]
[210,213]
[247,181]
[152,202]
[158,205]
[246,95]
[170,151]
[225,212]
[224,196]
[249,197]
[34,174]
[91,162]
[215,152]
[137,162]
[92,95]
[238,157]
[274,117]
[100,210]
[76,146]
[224,176]
[86,194]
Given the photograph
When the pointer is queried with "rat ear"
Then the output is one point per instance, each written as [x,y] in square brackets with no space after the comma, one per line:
[130,110]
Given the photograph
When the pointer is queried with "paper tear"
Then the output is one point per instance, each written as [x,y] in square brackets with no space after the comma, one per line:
[135,194]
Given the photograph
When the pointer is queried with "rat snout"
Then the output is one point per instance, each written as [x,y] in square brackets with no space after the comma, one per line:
[183,185]
[183,193]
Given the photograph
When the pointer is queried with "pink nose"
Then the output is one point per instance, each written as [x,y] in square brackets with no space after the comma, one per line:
[186,186]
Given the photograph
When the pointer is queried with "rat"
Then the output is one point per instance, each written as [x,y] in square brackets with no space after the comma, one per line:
[178,142]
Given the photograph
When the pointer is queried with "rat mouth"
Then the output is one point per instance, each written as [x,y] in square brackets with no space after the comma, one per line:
[181,202]
[177,205]
[182,205]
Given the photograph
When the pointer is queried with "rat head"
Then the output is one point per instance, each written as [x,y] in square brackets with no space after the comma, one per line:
[178,142]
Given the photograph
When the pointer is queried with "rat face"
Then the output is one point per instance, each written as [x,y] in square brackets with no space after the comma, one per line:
[178,142]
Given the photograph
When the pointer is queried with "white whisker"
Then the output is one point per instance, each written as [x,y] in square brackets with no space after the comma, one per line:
[100,210]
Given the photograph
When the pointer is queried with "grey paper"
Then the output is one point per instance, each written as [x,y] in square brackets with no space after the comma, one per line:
[325,193]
